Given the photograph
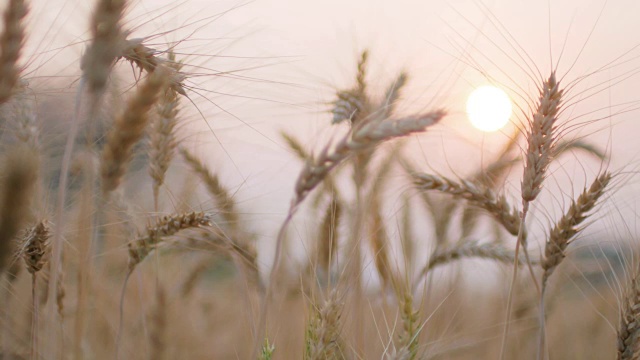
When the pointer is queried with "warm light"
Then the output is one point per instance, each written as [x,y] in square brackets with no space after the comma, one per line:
[488,108]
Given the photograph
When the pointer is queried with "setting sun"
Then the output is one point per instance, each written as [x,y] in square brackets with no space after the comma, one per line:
[488,108]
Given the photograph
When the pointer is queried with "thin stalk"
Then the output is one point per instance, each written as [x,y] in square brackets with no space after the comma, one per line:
[520,241]
[34,299]
[272,277]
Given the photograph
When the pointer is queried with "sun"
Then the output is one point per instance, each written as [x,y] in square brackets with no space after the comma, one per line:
[488,108]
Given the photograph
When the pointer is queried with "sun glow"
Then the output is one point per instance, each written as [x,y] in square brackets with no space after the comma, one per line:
[488,108]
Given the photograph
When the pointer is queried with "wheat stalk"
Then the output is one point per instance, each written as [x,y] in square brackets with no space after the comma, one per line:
[406,235]
[160,323]
[468,249]
[60,292]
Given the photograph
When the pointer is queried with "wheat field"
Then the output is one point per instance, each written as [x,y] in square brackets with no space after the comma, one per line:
[144,215]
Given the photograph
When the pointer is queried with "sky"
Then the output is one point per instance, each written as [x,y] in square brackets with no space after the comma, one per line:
[293,54]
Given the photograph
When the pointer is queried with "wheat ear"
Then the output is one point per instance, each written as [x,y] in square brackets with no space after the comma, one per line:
[162,140]
[393,93]
[108,35]
[540,146]
[295,145]
[266,353]
[222,196]
[164,227]
[323,332]
[540,139]
[11,43]
[154,235]
[408,337]
[147,59]
[127,131]
[566,228]
[352,104]
[406,235]
[362,138]
[562,235]
[628,347]
[476,194]
[35,252]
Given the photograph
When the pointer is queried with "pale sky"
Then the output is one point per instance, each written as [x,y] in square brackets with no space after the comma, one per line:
[305,49]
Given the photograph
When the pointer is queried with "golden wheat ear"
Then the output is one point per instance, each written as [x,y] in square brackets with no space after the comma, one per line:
[222,196]
[567,227]
[628,339]
[477,195]
[165,227]
[162,137]
[541,139]
[127,130]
